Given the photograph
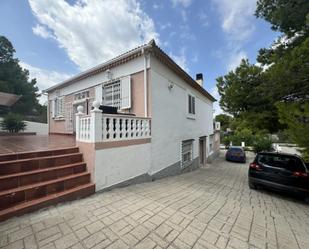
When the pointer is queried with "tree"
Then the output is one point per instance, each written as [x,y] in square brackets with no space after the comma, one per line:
[236,87]
[296,116]
[286,16]
[291,17]
[244,94]
[14,79]
[290,75]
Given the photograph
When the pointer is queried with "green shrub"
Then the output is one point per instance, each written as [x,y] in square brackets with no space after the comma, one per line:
[262,143]
[244,135]
[13,123]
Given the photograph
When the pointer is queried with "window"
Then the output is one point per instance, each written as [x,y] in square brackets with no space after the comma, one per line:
[58,108]
[191,104]
[112,94]
[211,141]
[186,152]
[287,162]
[81,95]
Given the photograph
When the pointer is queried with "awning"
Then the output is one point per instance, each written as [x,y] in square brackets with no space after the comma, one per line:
[8,99]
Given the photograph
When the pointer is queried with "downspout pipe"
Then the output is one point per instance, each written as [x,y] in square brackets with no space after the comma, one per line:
[145,84]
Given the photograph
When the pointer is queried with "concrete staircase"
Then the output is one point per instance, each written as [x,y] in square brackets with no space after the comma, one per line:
[32,180]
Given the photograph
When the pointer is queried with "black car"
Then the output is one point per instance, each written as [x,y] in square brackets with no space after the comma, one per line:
[280,171]
[235,154]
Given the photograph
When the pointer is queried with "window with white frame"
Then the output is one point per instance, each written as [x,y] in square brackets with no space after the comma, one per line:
[81,95]
[211,141]
[186,152]
[58,107]
[112,94]
[191,104]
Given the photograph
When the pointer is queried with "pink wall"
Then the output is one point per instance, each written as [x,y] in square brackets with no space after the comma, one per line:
[59,126]
[137,91]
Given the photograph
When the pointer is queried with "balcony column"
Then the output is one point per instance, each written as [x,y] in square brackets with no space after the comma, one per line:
[78,115]
[96,123]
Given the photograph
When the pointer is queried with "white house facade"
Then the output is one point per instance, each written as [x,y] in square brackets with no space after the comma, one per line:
[163,125]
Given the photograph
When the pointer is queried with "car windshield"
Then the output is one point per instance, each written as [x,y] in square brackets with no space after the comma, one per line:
[291,163]
[235,150]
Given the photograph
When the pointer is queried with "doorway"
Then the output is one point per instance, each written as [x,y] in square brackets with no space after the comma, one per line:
[202,150]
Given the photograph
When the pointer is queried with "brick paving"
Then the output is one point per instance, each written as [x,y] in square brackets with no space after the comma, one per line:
[209,208]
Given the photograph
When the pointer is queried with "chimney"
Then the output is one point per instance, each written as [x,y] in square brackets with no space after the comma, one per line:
[199,79]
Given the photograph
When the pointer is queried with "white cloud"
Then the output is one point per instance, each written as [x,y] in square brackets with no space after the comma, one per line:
[237,22]
[237,17]
[235,58]
[157,6]
[184,15]
[45,78]
[41,31]
[183,3]
[217,109]
[186,33]
[165,26]
[180,59]
[203,18]
[93,31]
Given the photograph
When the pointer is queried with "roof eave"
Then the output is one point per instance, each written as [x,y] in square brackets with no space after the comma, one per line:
[102,67]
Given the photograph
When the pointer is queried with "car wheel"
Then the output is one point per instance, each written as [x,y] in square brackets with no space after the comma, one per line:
[252,185]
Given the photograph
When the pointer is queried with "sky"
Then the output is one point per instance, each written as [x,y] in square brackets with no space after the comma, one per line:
[56,39]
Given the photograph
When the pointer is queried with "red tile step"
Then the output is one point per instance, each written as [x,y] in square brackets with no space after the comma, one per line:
[29,177]
[15,196]
[52,199]
[23,165]
[35,154]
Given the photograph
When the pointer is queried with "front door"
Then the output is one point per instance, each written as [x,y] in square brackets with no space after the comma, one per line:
[202,151]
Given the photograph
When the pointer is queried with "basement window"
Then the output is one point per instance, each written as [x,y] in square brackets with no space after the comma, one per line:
[186,152]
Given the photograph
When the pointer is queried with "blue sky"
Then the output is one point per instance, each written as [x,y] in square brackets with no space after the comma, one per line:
[56,39]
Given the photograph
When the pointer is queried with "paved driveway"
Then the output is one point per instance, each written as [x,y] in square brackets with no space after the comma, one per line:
[208,208]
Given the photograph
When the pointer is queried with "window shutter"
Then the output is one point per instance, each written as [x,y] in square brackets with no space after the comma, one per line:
[126,92]
[98,94]
[193,105]
[53,108]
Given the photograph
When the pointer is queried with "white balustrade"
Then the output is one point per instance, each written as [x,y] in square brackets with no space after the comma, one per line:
[84,126]
[100,127]
[120,127]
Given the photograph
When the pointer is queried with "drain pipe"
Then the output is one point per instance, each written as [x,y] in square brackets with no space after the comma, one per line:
[145,84]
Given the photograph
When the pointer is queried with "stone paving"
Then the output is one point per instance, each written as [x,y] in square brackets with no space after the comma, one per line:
[211,207]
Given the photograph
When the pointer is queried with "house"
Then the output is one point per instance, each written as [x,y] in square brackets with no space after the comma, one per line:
[161,125]
[165,125]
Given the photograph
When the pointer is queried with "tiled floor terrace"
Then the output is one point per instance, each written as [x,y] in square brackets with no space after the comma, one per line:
[14,144]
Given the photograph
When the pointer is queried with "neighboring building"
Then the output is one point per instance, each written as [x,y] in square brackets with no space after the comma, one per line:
[166,126]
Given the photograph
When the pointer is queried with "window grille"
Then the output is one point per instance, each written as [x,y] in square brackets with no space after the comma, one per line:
[112,94]
[186,152]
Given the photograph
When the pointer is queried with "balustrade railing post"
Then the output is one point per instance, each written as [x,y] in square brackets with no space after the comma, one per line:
[96,123]
[78,115]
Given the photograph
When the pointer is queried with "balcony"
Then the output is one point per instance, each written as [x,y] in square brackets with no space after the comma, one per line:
[100,127]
